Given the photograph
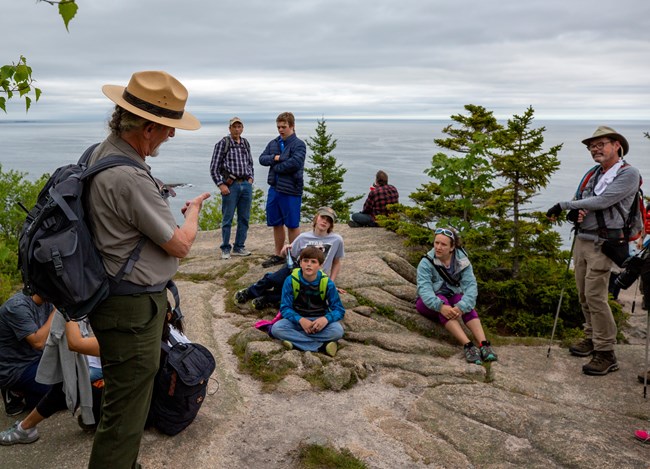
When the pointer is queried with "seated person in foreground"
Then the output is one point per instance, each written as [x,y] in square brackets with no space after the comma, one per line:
[268,290]
[447,290]
[69,364]
[24,326]
[381,194]
[311,308]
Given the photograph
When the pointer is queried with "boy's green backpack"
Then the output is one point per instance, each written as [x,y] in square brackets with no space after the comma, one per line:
[295,283]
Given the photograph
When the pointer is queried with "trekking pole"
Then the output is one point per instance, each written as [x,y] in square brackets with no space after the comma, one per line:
[645,365]
[559,303]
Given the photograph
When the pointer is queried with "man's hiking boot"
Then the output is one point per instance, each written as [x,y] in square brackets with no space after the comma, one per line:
[584,348]
[601,363]
[16,435]
[14,402]
[487,354]
[242,296]
[225,255]
[472,354]
[241,252]
[273,260]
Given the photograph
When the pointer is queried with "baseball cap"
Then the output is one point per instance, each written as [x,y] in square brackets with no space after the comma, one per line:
[235,119]
[327,212]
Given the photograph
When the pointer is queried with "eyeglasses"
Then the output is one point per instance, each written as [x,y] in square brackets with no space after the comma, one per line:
[445,232]
[598,146]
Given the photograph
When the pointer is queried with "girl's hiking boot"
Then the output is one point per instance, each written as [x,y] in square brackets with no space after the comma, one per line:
[584,348]
[487,354]
[472,354]
[601,363]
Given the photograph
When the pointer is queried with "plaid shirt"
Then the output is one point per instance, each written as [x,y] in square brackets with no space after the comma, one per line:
[377,200]
[238,161]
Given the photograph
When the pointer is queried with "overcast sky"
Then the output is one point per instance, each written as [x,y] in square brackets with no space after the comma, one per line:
[585,59]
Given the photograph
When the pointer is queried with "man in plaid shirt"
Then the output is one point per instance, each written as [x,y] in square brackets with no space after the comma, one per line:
[381,194]
[232,171]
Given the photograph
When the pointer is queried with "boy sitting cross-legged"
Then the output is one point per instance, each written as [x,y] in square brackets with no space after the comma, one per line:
[311,307]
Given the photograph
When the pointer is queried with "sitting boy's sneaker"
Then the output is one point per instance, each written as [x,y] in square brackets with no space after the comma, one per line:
[601,363]
[241,296]
[642,435]
[331,348]
[584,348]
[273,260]
[16,435]
[472,354]
[288,345]
[487,354]
[241,252]
[14,402]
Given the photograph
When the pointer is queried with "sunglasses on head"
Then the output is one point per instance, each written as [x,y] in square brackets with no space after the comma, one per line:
[445,232]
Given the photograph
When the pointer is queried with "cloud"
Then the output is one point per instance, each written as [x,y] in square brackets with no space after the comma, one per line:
[583,59]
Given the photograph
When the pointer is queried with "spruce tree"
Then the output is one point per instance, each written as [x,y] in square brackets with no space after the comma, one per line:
[324,187]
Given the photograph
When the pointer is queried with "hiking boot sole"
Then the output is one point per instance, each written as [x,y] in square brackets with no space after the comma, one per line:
[588,371]
[580,353]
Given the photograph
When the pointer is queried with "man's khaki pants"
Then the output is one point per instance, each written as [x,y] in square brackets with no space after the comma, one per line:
[592,269]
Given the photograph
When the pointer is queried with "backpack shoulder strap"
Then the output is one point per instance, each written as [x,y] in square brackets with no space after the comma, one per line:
[585,179]
[295,282]
[109,162]
[442,272]
[322,286]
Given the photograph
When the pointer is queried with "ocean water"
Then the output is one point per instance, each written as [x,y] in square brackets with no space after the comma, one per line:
[402,148]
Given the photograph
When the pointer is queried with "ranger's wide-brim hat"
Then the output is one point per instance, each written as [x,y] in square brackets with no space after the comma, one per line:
[604,131]
[156,96]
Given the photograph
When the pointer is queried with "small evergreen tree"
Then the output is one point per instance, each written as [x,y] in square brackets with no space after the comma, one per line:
[525,169]
[325,185]
[211,214]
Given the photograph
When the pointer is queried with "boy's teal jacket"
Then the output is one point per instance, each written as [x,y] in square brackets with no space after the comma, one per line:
[335,310]
[430,282]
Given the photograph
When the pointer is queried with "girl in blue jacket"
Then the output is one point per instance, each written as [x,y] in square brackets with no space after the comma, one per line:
[447,290]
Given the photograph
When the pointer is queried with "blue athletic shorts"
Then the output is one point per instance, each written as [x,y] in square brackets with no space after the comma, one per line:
[282,209]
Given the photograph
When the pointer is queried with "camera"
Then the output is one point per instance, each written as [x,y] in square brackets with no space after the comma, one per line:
[633,266]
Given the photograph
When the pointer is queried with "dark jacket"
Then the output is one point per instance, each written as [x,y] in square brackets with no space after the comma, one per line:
[286,175]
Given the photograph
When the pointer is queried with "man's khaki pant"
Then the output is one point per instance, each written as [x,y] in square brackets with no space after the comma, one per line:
[128,329]
[592,269]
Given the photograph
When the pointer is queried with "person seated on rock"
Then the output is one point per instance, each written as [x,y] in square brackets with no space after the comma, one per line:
[311,308]
[381,195]
[447,290]
[24,326]
[268,290]
[69,364]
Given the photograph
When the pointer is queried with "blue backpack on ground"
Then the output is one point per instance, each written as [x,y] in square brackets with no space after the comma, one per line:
[57,256]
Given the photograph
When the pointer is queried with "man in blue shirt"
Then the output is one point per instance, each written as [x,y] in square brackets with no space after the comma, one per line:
[24,326]
[232,171]
[285,156]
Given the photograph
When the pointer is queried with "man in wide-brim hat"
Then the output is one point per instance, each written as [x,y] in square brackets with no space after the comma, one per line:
[126,206]
[600,212]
